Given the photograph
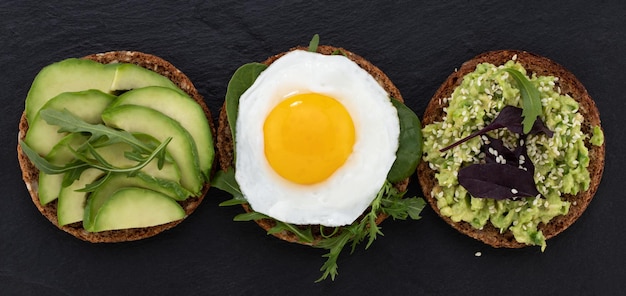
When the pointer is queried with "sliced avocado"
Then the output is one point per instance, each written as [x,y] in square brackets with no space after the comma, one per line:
[133,207]
[117,181]
[71,204]
[50,185]
[87,105]
[131,76]
[181,108]
[74,74]
[67,76]
[182,148]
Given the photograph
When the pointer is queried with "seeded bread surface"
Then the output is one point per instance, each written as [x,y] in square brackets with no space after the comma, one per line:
[225,140]
[570,85]
[30,174]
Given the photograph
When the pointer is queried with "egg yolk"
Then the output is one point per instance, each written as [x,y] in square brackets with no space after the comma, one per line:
[308,137]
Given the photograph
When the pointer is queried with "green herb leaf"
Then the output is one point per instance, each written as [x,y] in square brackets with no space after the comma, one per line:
[334,245]
[45,166]
[91,187]
[250,216]
[225,181]
[100,163]
[243,78]
[388,198]
[531,102]
[69,122]
[315,41]
[388,201]
[409,151]
[74,174]
[304,235]
[179,192]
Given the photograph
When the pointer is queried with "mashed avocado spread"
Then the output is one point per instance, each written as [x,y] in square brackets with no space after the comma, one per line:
[560,161]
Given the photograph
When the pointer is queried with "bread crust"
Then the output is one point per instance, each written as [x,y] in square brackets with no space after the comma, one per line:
[30,174]
[570,85]
[225,141]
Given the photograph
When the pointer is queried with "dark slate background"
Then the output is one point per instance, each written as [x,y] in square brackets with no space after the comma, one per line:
[417,45]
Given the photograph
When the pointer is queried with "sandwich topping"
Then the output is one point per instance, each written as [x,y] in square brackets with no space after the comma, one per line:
[318,144]
[559,160]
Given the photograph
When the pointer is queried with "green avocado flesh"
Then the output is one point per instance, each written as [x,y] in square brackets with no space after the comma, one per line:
[134,207]
[180,108]
[560,162]
[87,105]
[73,74]
[150,109]
[182,147]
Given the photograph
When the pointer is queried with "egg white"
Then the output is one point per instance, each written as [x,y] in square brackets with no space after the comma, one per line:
[341,198]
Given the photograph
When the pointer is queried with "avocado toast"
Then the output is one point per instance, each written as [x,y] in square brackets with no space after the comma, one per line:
[566,175]
[127,81]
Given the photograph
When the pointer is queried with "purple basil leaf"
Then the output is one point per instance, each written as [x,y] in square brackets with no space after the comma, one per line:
[509,117]
[497,181]
[496,152]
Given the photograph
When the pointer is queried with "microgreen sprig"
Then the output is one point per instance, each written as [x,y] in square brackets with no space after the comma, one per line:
[388,201]
[86,155]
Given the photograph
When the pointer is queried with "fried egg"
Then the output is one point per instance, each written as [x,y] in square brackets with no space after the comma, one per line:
[316,136]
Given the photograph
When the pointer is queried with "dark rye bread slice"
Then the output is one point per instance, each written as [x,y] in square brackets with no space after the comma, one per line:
[225,140]
[30,174]
[569,85]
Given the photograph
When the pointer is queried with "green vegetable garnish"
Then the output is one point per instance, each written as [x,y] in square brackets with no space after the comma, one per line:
[86,155]
[410,144]
[315,41]
[531,102]
[242,79]
[388,201]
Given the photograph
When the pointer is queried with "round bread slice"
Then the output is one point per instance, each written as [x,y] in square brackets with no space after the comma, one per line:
[569,85]
[225,141]
[30,174]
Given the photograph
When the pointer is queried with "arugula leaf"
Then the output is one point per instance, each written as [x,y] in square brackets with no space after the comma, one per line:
[86,155]
[100,163]
[304,235]
[315,41]
[251,216]
[69,122]
[242,79]
[45,166]
[531,102]
[409,151]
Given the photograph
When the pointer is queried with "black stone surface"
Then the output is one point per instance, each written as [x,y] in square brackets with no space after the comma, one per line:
[416,44]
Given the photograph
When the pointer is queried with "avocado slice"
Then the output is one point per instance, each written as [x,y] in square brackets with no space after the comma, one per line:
[116,181]
[133,207]
[67,76]
[87,105]
[71,204]
[75,74]
[60,154]
[131,76]
[182,148]
[181,108]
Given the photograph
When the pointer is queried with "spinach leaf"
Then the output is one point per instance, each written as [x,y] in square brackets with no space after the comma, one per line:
[243,78]
[410,144]
[225,181]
